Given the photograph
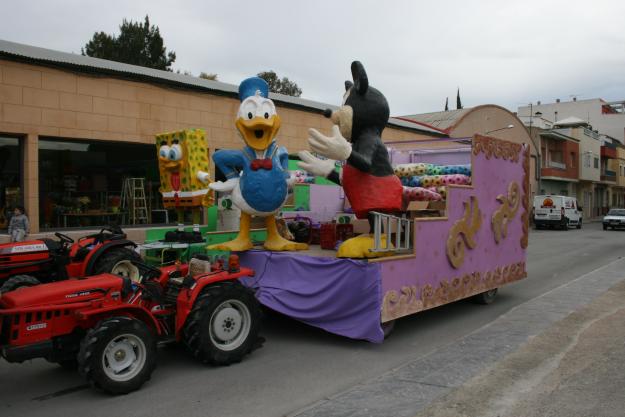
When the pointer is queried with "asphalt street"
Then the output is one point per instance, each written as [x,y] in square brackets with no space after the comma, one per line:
[299,365]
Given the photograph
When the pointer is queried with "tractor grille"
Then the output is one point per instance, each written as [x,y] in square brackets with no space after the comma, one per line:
[15,327]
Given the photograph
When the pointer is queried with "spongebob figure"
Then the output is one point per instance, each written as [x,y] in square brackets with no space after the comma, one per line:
[183,165]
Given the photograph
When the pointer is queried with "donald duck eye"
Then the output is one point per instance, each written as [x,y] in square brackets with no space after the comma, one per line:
[267,110]
[248,109]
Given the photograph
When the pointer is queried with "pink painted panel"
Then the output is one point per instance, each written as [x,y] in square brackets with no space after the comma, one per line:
[491,177]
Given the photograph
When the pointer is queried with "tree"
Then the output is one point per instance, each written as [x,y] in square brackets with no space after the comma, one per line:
[208,76]
[447,104]
[138,44]
[281,86]
[458,102]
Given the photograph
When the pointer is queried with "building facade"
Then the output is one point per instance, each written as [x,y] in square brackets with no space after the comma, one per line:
[619,168]
[559,163]
[606,117]
[73,127]
[580,162]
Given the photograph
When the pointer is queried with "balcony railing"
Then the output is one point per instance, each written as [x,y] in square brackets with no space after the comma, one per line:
[608,175]
[608,151]
[554,164]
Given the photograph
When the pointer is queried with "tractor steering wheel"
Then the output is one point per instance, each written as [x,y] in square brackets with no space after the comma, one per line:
[64,238]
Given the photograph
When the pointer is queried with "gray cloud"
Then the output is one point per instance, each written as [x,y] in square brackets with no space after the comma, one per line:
[417,53]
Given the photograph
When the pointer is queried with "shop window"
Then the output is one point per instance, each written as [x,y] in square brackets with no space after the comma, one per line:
[80,182]
[10,178]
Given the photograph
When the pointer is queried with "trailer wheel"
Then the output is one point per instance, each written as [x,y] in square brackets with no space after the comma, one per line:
[18,281]
[487,297]
[119,261]
[388,328]
[118,355]
[224,323]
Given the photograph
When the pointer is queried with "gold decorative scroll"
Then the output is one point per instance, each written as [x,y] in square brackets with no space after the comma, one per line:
[507,211]
[462,233]
[406,302]
[500,149]
[526,197]
[396,305]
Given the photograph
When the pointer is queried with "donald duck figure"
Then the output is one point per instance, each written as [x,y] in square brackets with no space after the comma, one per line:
[256,175]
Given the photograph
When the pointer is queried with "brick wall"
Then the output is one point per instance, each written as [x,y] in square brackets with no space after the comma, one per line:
[41,101]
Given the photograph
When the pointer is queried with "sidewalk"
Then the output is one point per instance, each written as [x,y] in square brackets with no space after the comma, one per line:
[575,368]
[560,354]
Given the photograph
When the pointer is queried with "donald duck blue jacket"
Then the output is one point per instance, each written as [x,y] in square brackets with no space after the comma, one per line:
[262,187]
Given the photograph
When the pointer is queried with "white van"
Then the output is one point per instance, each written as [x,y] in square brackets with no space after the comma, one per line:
[557,210]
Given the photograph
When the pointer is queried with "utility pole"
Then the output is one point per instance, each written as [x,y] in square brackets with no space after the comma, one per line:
[538,152]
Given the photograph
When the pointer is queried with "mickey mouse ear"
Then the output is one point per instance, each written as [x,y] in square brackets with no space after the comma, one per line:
[361,81]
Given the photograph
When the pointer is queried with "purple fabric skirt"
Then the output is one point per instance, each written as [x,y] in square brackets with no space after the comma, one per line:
[341,296]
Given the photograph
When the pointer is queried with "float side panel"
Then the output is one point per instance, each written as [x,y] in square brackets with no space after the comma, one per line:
[429,279]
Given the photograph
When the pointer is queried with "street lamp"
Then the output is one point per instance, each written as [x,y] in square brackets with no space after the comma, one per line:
[503,128]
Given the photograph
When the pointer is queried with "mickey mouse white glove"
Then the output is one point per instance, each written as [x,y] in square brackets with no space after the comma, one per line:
[224,187]
[333,147]
[314,165]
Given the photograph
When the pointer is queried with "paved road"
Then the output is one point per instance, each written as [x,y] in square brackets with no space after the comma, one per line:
[300,365]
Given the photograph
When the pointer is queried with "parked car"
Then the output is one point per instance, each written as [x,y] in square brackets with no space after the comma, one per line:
[557,211]
[614,219]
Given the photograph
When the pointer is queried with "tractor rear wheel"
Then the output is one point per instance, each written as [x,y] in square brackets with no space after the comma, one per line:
[118,355]
[119,261]
[224,323]
[18,281]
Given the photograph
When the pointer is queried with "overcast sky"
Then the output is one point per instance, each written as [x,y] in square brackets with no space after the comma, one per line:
[416,53]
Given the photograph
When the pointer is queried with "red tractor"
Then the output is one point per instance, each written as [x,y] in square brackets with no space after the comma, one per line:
[108,325]
[31,262]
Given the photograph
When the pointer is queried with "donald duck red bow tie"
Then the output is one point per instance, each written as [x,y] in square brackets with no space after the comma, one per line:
[261,164]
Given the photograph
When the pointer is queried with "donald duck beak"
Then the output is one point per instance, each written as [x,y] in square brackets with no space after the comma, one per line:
[258,133]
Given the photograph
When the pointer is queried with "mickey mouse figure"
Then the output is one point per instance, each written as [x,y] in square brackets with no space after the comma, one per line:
[368,178]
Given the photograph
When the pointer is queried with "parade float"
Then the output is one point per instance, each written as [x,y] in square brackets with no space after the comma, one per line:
[384,230]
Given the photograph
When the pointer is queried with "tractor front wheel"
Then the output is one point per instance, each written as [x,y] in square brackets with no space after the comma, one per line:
[18,281]
[118,355]
[119,261]
[224,323]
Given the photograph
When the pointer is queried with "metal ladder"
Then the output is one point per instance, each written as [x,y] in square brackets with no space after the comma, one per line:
[133,200]
[402,227]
